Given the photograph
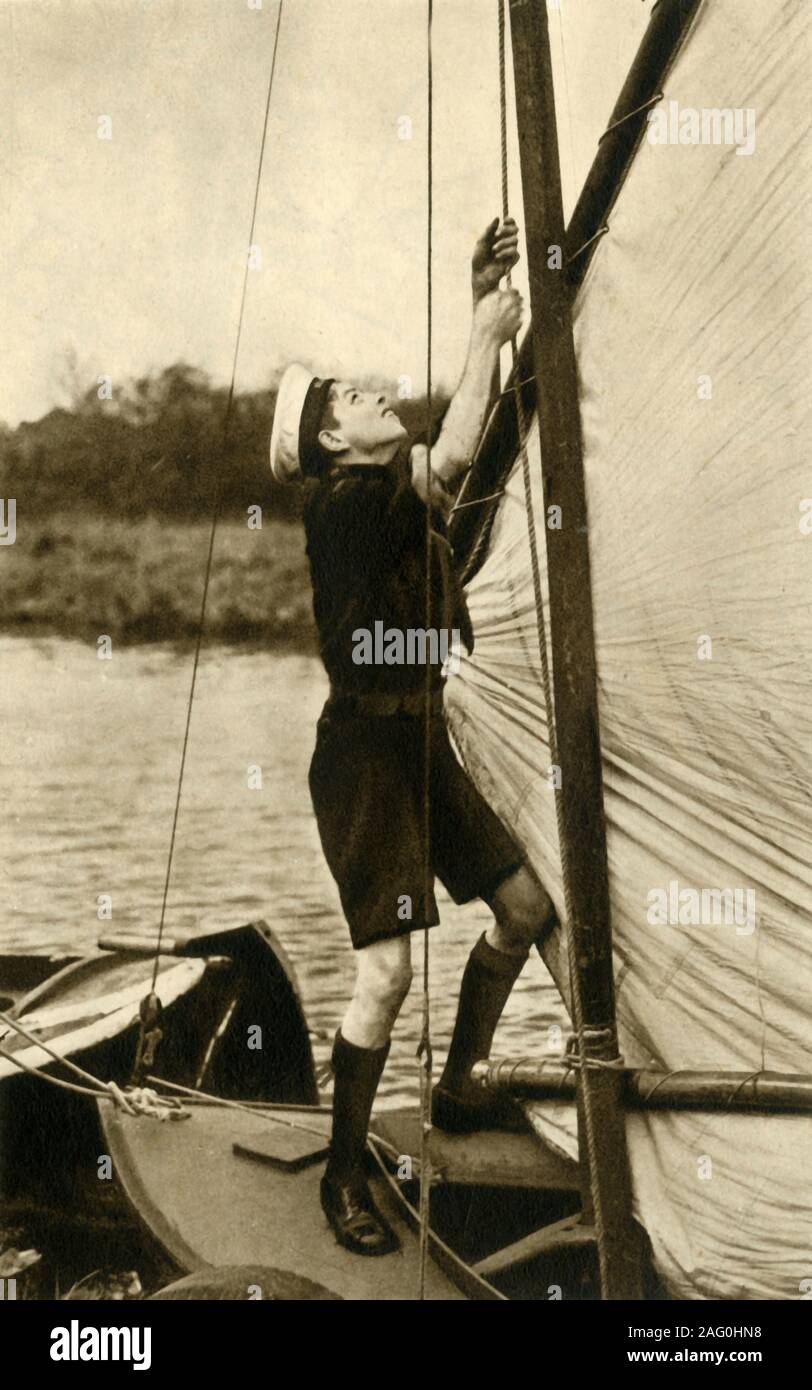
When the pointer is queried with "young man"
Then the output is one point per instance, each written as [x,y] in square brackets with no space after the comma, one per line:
[365,520]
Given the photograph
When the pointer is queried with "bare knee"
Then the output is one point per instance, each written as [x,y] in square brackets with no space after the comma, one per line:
[382,983]
[384,975]
[523,910]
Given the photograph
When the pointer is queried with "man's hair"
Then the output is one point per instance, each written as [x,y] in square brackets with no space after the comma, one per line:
[329,421]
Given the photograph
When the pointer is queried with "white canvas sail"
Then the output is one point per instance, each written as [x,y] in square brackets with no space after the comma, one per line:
[692,332]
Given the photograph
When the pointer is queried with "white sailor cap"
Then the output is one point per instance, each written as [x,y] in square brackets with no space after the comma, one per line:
[300,403]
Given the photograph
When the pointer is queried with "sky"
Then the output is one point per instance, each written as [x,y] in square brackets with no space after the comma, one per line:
[123,255]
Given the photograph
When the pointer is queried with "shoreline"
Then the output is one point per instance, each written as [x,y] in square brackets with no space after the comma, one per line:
[244,639]
[140,582]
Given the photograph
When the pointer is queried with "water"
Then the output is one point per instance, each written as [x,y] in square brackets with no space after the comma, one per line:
[88,769]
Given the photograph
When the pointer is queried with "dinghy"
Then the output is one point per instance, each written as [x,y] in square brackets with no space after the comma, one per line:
[214,987]
[21,973]
[242,1209]
[254,1200]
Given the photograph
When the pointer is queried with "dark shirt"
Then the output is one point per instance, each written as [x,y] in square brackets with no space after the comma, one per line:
[366,543]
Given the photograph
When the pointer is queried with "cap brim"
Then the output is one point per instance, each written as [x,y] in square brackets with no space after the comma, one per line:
[290,398]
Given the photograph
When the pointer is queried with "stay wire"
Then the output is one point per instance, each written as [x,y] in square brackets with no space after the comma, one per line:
[425,1049]
[217,501]
[575,989]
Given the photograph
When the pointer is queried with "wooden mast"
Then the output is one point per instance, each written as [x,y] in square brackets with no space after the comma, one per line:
[581,821]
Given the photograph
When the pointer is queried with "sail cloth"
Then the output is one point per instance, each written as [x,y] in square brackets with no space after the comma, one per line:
[692,338]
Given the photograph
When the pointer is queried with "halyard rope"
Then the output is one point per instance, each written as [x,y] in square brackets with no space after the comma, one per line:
[217,500]
[424,1051]
[575,989]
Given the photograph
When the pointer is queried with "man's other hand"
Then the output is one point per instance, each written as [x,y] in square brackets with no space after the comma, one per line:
[496,252]
[498,315]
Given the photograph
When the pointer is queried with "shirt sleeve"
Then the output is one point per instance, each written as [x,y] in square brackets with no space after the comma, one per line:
[367,520]
[437,425]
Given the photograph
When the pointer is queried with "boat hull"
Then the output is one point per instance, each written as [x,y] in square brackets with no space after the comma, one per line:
[236,1211]
[232,1024]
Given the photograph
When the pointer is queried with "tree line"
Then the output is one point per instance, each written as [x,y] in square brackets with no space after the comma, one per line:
[154,445]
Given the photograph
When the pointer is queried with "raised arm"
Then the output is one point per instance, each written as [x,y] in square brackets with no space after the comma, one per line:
[496,319]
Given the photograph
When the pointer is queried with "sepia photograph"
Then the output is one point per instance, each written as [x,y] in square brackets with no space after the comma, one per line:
[405,679]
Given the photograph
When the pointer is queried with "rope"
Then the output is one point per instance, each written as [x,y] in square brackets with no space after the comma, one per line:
[217,503]
[450,1256]
[575,989]
[52,1080]
[261,1109]
[31,1037]
[238,1105]
[480,501]
[136,1101]
[424,1050]
[142,1100]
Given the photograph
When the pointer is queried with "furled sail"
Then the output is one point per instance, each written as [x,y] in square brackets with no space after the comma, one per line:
[692,333]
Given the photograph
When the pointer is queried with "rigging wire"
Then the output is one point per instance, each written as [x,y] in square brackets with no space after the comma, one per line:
[218,497]
[575,985]
[424,1051]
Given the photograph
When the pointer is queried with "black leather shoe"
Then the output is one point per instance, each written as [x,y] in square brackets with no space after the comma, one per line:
[355,1220]
[475,1110]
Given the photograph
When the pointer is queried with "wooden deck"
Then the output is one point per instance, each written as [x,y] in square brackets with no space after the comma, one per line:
[492,1158]
[207,1206]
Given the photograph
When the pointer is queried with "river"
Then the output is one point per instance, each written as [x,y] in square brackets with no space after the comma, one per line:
[89,762]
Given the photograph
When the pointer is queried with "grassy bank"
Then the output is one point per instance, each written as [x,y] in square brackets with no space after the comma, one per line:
[141,580]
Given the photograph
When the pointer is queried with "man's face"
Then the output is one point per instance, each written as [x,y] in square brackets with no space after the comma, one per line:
[364,427]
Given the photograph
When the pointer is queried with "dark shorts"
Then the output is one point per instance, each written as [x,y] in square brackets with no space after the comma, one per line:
[366,782]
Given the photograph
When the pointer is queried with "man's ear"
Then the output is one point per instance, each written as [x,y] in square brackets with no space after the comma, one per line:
[333,442]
